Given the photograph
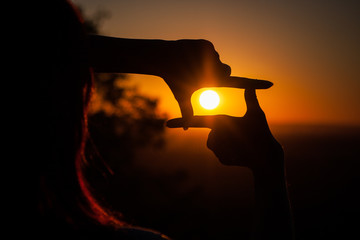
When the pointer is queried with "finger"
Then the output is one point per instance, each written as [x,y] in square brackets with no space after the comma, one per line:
[187,111]
[252,103]
[241,82]
[198,121]
[226,70]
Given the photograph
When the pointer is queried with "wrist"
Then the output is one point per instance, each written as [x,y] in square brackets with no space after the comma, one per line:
[271,174]
[156,57]
[142,56]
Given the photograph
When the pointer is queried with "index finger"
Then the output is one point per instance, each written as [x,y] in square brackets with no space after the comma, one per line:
[242,82]
[187,111]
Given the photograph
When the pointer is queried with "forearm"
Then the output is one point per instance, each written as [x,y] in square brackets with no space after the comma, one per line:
[273,217]
[108,54]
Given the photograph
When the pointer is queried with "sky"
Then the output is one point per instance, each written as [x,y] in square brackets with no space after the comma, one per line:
[309,49]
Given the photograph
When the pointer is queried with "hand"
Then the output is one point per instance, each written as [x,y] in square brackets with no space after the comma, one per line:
[248,142]
[185,65]
[245,141]
[194,64]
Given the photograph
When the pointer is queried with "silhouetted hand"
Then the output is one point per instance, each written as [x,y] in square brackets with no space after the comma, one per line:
[185,65]
[195,64]
[247,141]
[191,65]
[240,141]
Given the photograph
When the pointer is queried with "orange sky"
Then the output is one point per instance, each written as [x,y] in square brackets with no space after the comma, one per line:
[309,49]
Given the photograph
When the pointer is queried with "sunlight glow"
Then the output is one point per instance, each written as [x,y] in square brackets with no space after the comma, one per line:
[209,99]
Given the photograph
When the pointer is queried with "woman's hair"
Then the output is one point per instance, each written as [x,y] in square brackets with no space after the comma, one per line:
[64,195]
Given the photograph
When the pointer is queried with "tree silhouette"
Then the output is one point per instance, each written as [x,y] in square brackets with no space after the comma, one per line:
[122,120]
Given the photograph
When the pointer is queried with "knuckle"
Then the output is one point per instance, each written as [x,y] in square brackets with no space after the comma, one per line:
[227,70]
[206,42]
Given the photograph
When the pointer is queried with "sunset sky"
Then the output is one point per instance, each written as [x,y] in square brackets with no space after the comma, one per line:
[309,49]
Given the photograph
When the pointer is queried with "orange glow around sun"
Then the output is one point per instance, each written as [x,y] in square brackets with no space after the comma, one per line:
[213,101]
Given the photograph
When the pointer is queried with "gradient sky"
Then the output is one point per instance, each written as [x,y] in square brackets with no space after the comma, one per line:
[309,49]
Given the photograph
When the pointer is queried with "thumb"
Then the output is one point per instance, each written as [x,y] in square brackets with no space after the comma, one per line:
[252,103]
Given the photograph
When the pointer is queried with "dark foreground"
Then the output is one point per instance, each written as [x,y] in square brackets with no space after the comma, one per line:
[182,191]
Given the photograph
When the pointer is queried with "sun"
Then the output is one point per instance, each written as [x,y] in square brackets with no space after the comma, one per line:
[209,99]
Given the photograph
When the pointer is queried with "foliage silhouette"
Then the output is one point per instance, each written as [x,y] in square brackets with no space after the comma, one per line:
[122,120]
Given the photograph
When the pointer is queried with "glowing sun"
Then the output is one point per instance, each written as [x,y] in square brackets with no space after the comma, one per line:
[209,99]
